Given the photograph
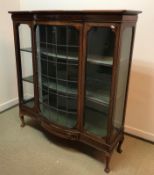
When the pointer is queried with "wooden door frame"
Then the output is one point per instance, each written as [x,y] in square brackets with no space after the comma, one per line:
[116,29]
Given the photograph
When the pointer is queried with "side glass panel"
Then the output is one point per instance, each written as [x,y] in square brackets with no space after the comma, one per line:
[58,50]
[26,65]
[122,78]
[98,79]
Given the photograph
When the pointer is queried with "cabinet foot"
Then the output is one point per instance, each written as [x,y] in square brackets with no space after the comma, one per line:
[119,149]
[107,162]
[22,120]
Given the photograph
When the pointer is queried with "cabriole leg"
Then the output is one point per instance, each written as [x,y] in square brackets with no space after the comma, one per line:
[119,149]
[107,162]
[22,119]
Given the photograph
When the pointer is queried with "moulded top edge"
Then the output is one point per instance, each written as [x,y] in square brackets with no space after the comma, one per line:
[101,12]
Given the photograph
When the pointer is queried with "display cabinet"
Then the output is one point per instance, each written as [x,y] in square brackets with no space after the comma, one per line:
[73,71]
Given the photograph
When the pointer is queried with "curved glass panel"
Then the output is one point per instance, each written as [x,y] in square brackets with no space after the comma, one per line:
[122,78]
[58,50]
[98,79]
[26,65]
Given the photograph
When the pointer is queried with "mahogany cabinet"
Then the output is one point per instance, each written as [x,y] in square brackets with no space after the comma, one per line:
[73,71]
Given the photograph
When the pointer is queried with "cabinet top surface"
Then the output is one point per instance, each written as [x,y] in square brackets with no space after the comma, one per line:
[101,12]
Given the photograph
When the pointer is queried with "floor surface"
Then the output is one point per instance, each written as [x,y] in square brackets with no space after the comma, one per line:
[30,151]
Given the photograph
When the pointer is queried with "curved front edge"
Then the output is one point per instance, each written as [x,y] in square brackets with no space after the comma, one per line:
[70,134]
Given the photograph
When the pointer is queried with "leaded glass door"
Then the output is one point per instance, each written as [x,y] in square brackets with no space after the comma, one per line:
[58,65]
[98,80]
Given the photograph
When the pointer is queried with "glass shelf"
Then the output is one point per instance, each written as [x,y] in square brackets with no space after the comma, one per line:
[62,56]
[58,79]
[28,79]
[95,96]
[98,91]
[94,59]
[28,49]
[61,88]
[28,94]
[59,45]
[106,61]
[29,102]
